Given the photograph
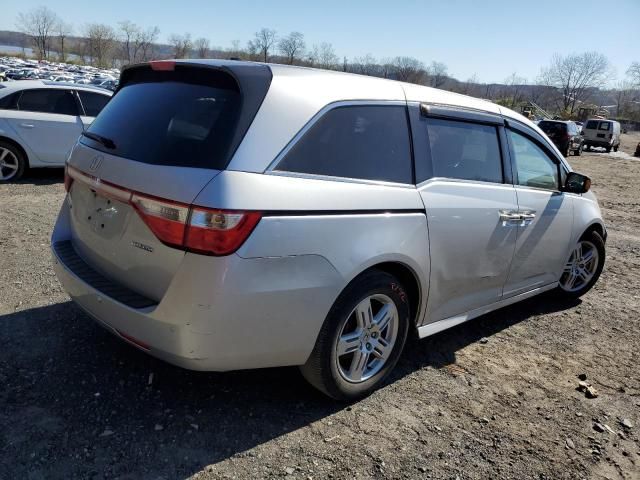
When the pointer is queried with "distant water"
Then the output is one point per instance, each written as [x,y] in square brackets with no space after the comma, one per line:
[12,49]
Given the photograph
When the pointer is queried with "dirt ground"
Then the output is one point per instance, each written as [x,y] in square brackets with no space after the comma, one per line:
[493,398]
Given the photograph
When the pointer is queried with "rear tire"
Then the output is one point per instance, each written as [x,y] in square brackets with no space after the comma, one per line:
[584,266]
[578,152]
[608,149]
[361,338]
[13,163]
[615,149]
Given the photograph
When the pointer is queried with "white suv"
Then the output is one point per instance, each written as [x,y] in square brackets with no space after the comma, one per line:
[41,120]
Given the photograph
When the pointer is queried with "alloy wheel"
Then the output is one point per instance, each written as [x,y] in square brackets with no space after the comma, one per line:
[367,338]
[8,164]
[581,267]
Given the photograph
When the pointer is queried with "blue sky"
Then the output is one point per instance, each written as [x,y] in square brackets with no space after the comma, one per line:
[489,38]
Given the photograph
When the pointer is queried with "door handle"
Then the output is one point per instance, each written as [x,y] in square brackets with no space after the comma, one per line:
[528,217]
[26,125]
[510,218]
[514,218]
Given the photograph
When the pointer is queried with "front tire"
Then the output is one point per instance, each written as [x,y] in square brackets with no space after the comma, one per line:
[584,266]
[361,339]
[12,163]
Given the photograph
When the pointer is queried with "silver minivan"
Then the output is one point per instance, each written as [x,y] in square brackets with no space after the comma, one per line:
[227,215]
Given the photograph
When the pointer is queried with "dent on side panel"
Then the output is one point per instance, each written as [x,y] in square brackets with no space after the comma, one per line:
[350,243]
[255,312]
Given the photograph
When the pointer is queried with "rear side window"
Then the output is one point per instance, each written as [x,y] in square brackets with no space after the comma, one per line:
[48,101]
[9,102]
[465,151]
[368,142]
[93,103]
[179,120]
[553,127]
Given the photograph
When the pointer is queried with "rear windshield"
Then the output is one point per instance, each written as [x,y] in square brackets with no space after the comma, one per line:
[553,127]
[604,126]
[171,118]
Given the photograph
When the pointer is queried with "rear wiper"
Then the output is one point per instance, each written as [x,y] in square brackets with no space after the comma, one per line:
[107,142]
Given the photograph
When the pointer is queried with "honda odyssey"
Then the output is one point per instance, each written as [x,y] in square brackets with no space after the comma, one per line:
[227,215]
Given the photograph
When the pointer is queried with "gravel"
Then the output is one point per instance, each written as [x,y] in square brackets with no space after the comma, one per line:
[76,402]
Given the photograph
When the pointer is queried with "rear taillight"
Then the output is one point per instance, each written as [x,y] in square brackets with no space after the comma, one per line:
[219,231]
[187,227]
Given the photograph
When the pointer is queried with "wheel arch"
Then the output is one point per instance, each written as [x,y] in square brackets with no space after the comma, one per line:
[595,227]
[409,279]
[17,145]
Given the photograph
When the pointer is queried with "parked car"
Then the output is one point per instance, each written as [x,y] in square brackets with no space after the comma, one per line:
[226,215]
[602,133]
[41,120]
[565,135]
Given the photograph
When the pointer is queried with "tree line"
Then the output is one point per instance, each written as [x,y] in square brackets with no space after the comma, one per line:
[565,85]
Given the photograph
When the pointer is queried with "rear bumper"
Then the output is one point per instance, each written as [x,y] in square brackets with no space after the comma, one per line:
[598,143]
[219,313]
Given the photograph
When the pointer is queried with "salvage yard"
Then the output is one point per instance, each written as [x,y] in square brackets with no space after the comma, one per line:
[494,398]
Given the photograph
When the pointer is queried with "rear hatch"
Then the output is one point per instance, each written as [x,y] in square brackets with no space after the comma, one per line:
[170,129]
[597,130]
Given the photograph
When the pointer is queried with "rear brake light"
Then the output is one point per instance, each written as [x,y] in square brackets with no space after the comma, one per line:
[187,227]
[218,232]
[163,65]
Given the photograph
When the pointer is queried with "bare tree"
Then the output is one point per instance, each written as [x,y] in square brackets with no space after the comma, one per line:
[236,51]
[409,69]
[437,73]
[324,56]
[202,46]
[181,45]
[470,87]
[575,76]
[387,68]
[129,32]
[262,42]
[39,23]
[623,95]
[145,44]
[100,40]
[513,92]
[366,65]
[634,73]
[63,30]
[292,46]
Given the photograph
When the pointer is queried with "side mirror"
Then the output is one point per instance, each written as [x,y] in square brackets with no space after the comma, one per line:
[577,183]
